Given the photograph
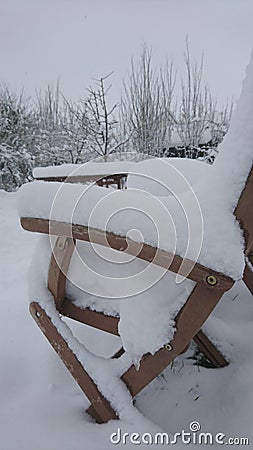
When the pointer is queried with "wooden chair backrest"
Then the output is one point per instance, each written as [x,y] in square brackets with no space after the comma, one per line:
[244,212]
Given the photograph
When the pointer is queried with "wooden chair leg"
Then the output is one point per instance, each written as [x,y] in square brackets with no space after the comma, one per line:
[102,411]
[198,307]
[209,350]
[119,353]
[93,413]
[58,268]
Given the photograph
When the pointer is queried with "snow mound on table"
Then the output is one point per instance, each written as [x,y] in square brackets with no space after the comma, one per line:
[89,168]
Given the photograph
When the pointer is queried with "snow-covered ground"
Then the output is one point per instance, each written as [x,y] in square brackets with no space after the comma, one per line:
[41,406]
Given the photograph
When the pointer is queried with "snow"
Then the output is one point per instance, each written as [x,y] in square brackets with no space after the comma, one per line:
[152,176]
[41,406]
[176,140]
[235,157]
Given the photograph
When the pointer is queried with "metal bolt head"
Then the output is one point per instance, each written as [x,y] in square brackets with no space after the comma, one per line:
[61,242]
[168,347]
[211,280]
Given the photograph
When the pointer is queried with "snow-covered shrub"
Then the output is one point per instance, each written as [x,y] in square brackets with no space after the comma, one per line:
[16,139]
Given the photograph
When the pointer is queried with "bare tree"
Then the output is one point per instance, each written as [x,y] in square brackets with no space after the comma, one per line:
[102,126]
[60,128]
[168,106]
[147,104]
[220,121]
[48,112]
[198,122]
[75,130]
[194,110]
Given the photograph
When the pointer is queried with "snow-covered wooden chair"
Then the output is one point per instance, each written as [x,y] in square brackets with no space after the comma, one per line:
[187,278]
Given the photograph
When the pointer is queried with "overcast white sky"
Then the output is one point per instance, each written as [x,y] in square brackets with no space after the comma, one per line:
[41,40]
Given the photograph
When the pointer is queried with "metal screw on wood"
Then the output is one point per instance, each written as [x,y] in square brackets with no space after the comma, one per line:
[212,280]
[168,347]
[61,242]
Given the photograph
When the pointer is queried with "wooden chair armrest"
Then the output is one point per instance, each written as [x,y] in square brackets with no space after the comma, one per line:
[146,252]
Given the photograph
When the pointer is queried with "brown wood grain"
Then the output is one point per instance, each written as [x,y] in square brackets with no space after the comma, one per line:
[102,408]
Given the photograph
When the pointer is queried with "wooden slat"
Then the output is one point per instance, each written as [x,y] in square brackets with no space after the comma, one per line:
[93,413]
[119,353]
[209,350]
[147,252]
[194,313]
[102,408]
[92,318]
[58,267]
